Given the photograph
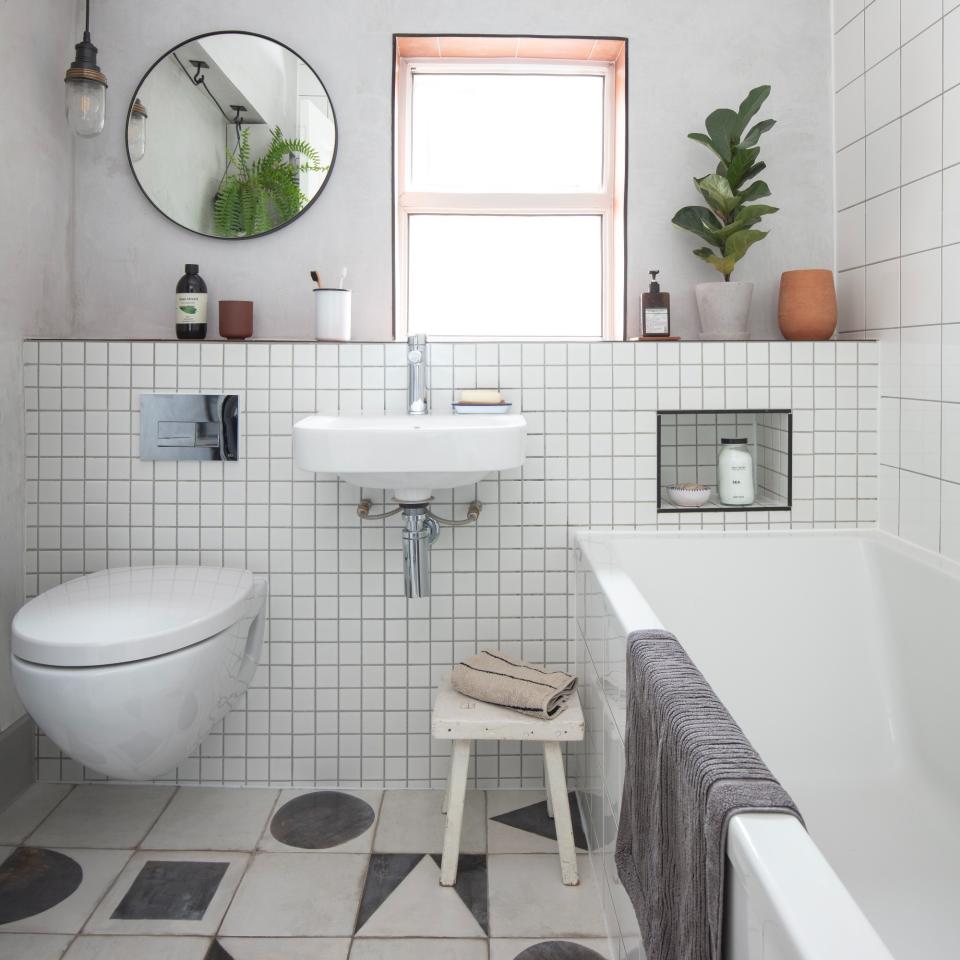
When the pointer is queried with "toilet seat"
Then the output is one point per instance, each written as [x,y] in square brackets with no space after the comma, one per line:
[129,613]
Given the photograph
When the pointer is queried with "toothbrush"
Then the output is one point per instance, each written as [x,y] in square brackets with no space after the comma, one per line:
[315,276]
[343,279]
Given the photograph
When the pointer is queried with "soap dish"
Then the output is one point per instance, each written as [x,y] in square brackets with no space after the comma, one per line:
[688,494]
[459,407]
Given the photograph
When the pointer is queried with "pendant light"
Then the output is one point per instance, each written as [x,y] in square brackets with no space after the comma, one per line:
[137,131]
[86,88]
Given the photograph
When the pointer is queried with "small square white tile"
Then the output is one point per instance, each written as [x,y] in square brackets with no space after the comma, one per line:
[411,822]
[97,815]
[528,900]
[104,922]
[212,818]
[297,895]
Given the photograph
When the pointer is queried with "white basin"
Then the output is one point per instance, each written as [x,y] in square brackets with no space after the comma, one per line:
[410,455]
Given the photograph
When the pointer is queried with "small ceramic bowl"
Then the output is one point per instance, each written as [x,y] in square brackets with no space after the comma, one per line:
[688,494]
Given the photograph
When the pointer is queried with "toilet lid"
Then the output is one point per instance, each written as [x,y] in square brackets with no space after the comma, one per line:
[128,613]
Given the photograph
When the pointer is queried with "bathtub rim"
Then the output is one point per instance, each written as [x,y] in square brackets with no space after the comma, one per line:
[784,871]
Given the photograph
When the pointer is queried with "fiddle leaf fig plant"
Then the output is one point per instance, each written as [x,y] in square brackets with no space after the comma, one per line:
[729,219]
[258,195]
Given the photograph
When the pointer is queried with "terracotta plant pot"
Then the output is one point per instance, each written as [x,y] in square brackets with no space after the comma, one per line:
[236,319]
[808,305]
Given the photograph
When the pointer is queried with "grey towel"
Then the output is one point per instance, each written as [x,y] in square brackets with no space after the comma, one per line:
[495,677]
[689,769]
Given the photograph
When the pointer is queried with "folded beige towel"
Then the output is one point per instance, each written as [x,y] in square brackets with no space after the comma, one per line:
[496,677]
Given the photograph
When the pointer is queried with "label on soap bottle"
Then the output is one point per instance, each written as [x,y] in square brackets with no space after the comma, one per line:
[191,308]
[656,321]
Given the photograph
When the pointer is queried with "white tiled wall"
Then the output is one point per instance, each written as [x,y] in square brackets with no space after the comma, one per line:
[898,200]
[343,692]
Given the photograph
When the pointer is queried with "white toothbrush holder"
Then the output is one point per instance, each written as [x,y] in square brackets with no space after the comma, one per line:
[333,313]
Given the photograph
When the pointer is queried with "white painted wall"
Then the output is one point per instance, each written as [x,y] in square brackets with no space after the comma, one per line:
[684,61]
[36,198]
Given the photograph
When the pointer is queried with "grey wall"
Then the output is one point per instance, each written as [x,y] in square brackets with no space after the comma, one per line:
[683,63]
[36,174]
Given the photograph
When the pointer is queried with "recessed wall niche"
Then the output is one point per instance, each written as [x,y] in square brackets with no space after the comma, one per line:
[688,447]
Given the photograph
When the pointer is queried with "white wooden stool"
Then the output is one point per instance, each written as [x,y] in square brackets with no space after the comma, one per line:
[462,720]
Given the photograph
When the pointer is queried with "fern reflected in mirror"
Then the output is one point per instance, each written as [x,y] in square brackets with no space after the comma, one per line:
[242,135]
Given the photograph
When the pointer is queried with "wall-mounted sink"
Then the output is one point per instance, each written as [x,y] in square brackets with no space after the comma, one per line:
[410,455]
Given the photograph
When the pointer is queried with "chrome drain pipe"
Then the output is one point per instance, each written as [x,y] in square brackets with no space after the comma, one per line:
[419,532]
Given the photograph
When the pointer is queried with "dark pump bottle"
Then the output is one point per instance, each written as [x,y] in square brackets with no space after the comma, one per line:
[191,305]
[655,310]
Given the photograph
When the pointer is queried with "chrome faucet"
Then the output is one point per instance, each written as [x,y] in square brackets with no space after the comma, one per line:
[416,375]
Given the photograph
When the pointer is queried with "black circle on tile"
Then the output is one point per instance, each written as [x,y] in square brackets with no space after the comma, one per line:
[317,821]
[33,880]
[558,950]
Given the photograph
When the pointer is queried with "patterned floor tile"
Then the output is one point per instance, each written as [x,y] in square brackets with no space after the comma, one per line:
[212,818]
[170,892]
[411,822]
[98,869]
[527,898]
[32,946]
[103,817]
[402,897]
[598,949]
[29,810]
[517,822]
[282,948]
[411,948]
[341,821]
[141,948]
[297,895]
[33,880]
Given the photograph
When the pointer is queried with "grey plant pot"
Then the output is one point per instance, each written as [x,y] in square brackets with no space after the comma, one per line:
[724,309]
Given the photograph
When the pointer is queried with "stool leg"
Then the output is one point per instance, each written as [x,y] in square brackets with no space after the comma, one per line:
[546,784]
[553,761]
[445,805]
[456,791]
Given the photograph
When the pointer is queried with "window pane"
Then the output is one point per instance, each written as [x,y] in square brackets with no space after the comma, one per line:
[505,276]
[507,133]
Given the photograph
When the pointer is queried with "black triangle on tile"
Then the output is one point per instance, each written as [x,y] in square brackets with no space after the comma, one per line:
[385,873]
[534,819]
[471,884]
[216,952]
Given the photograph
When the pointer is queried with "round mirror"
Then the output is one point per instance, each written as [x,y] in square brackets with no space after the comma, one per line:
[231,135]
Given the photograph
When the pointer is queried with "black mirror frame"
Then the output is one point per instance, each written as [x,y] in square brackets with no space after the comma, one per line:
[247,33]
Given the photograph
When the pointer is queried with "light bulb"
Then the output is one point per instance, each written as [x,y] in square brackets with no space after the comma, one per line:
[86,101]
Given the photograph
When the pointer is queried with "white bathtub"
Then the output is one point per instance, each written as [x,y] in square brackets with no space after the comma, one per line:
[838,652]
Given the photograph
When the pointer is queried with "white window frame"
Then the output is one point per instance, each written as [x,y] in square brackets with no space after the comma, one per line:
[410,203]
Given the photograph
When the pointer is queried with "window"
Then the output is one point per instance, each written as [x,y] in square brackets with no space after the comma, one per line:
[509,187]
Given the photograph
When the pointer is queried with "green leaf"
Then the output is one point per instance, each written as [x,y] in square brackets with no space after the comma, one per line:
[700,221]
[739,243]
[756,130]
[721,127]
[724,265]
[705,140]
[748,109]
[746,217]
[740,163]
[188,310]
[715,189]
[756,169]
[756,191]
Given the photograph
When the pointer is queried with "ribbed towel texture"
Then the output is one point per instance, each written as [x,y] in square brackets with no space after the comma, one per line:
[689,769]
[496,677]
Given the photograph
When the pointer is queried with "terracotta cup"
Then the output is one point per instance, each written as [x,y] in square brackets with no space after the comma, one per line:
[808,305]
[236,319]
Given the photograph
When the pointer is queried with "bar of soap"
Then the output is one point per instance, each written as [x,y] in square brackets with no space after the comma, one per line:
[480,396]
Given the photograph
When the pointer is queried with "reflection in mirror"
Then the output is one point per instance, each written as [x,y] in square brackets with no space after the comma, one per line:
[231,135]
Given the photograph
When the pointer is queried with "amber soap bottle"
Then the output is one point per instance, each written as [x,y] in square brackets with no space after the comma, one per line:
[655,310]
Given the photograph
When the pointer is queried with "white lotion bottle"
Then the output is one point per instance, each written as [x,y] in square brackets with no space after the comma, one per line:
[735,473]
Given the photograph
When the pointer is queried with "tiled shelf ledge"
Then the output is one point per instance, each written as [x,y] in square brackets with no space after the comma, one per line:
[688,445]
[382,343]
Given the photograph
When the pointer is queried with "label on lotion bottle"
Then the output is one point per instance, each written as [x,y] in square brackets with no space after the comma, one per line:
[656,321]
[191,308]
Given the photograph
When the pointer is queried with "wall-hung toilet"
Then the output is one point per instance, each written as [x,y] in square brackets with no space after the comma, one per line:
[127,670]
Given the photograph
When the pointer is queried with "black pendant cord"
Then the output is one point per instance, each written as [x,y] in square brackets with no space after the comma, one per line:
[86,23]
[201,82]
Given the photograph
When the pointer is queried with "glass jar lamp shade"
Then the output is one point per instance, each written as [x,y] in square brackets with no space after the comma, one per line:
[137,131]
[86,102]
